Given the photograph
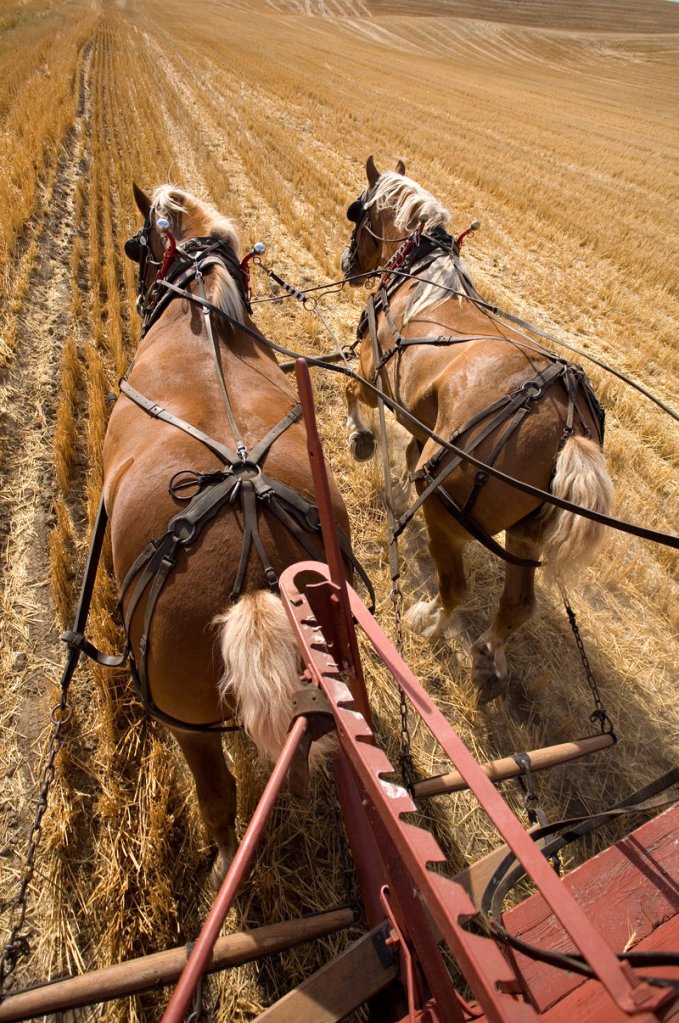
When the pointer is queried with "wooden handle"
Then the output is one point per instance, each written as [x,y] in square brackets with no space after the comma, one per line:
[507,767]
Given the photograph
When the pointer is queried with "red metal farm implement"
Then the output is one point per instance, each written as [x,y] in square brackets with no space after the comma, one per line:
[415,912]
[439,947]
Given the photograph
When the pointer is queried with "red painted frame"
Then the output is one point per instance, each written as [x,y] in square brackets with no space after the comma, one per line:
[391,855]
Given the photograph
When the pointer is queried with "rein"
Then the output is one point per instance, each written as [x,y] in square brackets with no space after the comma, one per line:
[435,238]
[235,431]
[242,478]
[508,411]
[471,293]
[334,287]
[667,539]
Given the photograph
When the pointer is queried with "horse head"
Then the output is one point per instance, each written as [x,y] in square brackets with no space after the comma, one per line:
[173,218]
[386,213]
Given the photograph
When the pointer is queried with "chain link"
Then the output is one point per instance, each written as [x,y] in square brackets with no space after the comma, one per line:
[199,1014]
[599,714]
[408,774]
[17,945]
[349,879]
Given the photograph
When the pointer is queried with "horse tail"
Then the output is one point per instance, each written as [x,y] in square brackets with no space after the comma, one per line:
[570,541]
[261,668]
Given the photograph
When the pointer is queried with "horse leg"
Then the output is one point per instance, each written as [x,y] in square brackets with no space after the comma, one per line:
[402,485]
[361,438]
[216,791]
[489,663]
[446,541]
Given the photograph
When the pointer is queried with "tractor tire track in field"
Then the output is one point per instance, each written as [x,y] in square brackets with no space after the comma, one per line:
[29,395]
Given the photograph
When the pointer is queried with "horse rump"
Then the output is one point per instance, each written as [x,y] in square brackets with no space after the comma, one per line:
[569,541]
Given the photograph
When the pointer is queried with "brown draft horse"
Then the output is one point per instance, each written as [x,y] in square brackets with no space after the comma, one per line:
[205,644]
[465,379]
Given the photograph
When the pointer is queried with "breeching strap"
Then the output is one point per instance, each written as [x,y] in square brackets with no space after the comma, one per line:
[75,638]
[242,478]
[510,409]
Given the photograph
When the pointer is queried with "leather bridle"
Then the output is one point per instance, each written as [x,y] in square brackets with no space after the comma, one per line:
[138,249]
[359,215]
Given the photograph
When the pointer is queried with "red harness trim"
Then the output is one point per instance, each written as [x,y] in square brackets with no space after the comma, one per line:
[470,230]
[399,256]
[168,255]
[245,271]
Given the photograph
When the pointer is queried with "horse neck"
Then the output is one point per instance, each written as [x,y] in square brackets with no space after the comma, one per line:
[222,291]
[239,350]
[392,238]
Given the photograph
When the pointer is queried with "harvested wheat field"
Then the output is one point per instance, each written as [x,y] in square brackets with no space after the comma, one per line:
[555,125]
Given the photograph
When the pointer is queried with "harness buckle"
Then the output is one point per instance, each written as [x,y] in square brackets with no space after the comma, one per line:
[183,530]
[271,578]
[532,389]
[73,639]
[265,492]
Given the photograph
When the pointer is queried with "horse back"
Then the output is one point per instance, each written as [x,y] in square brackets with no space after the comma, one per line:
[492,393]
[142,455]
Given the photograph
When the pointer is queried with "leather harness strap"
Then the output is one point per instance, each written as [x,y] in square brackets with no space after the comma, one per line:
[241,478]
[509,410]
[205,252]
[159,412]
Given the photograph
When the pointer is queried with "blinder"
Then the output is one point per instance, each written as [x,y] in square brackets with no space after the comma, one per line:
[356,210]
[138,249]
[135,246]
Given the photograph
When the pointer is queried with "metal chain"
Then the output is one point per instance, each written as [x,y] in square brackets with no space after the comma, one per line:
[406,758]
[349,879]
[599,714]
[17,944]
[199,1014]
[408,773]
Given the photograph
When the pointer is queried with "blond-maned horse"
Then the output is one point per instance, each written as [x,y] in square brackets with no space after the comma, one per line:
[441,353]
[209,493]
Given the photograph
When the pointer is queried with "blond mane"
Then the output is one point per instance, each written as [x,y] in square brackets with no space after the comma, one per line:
[411,204]
[191,217]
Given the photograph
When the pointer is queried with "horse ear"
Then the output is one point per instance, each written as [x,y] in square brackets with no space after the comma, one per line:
[400,167]
[372,171]
[142,200]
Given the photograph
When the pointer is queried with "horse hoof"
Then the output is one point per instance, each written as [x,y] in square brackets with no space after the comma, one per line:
[219,869]
[363,446]
[221,863]
[490,689]
[426,617]
[489,671]
[400,495]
